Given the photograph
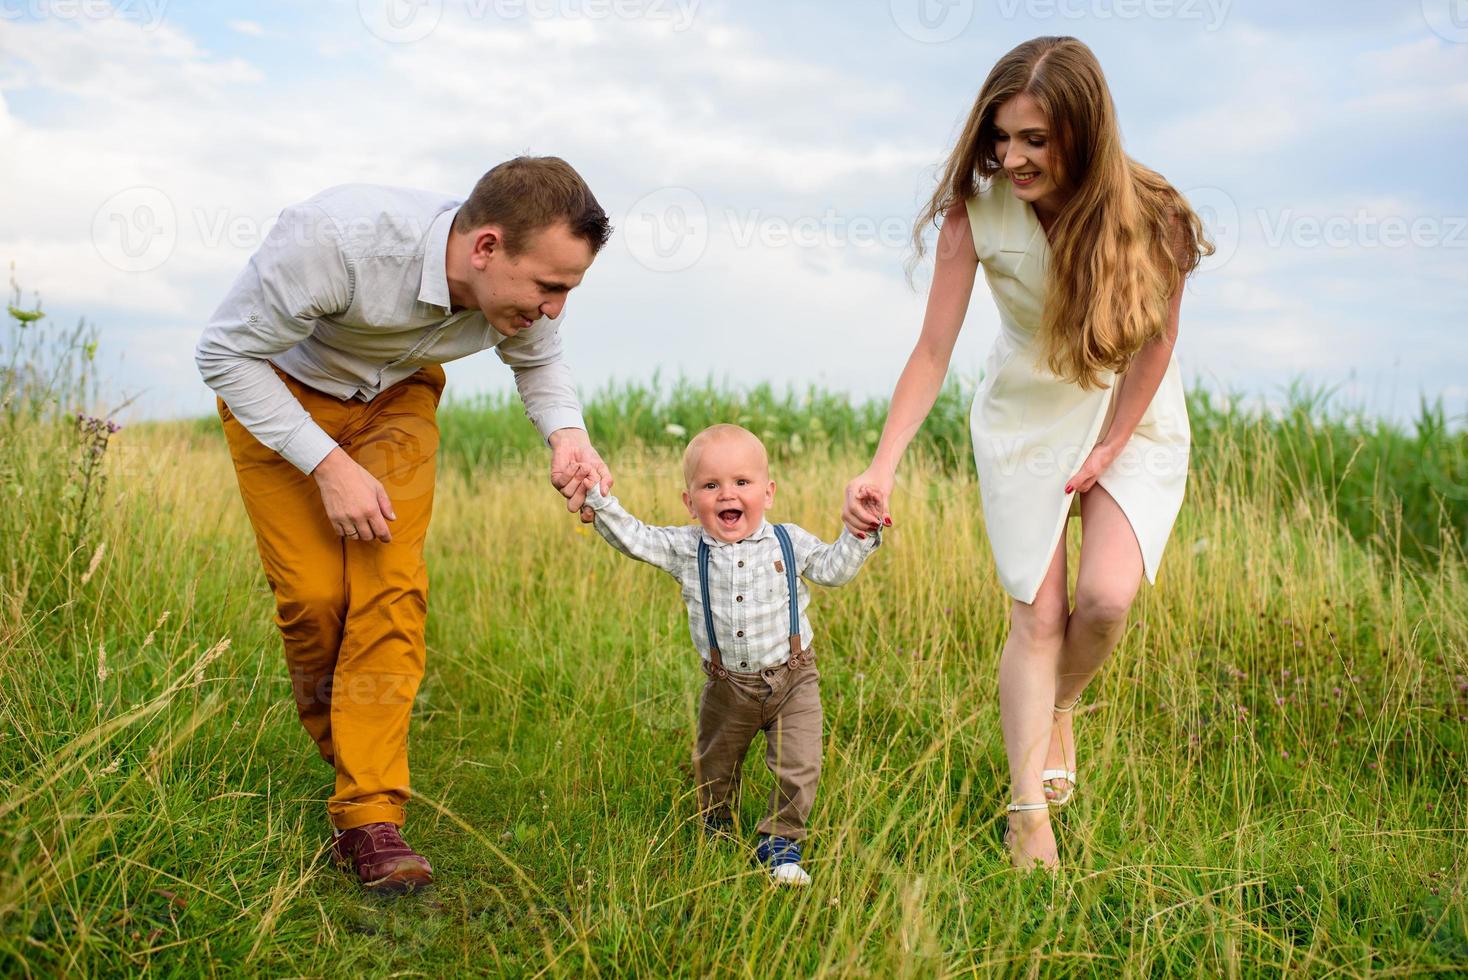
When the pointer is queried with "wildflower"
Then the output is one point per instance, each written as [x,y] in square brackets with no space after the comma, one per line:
[674,429]
[101,663]
[24,317]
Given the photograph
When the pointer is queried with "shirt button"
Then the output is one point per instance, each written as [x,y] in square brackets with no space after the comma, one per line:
[743,663]
[741,564]
[740,633]
[739,598]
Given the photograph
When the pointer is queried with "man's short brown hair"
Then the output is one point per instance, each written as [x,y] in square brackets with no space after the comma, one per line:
[527,194]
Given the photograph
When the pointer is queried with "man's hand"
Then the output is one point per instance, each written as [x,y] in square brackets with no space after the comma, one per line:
[355,502]
[571,448]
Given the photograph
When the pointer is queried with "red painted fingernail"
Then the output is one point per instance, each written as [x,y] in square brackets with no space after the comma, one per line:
[861,536]
[887,521]
[1068,488]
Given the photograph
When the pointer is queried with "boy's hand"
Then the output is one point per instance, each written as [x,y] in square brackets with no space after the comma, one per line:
[584,477]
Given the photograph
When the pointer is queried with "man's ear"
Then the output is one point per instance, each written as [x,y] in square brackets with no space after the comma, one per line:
[489,242]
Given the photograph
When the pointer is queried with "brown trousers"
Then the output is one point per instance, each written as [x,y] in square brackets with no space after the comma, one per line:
[784,702]
[351,613]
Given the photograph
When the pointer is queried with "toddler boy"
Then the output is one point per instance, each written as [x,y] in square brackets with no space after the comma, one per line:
[746,612]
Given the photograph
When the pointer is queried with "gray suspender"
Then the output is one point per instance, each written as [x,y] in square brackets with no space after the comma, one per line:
[788,551]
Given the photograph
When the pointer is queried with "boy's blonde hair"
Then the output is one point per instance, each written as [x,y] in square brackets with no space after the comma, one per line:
[721,430]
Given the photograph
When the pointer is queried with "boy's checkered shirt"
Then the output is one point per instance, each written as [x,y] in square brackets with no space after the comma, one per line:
[747,584]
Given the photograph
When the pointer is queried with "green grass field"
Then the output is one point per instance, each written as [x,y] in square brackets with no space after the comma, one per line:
[1270,766]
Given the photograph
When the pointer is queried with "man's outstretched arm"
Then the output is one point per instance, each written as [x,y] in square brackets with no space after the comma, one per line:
[549,393]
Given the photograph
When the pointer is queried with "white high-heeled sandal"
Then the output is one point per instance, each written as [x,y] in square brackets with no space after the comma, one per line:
[1020,808]
[1069,775]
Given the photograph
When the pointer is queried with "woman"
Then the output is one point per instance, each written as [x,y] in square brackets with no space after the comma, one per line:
[1081,409]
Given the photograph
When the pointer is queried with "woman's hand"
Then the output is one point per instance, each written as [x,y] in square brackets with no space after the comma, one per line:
[867,497]
[1100,459]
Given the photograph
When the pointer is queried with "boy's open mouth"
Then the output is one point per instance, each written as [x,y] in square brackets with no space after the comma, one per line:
[730,517]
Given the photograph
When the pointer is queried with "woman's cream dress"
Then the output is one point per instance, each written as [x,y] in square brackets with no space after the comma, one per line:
[1032,431]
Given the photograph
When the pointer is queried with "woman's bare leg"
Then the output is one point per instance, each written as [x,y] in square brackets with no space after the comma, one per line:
[1106,583]
[1027,671]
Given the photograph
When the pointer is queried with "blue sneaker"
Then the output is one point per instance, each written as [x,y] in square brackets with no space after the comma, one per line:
[782,857]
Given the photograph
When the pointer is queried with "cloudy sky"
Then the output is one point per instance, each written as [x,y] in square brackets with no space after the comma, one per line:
[761,160]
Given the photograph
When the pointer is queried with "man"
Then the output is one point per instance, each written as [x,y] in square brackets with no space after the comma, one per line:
[325,356]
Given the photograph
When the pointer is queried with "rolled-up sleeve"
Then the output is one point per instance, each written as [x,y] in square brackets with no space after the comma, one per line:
[298,274]
[543,377]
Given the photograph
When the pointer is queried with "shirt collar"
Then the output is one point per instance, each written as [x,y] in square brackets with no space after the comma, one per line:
[763,532]
[434,289]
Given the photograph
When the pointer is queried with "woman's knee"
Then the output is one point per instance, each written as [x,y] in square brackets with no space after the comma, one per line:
[1041,621]
[1101,609]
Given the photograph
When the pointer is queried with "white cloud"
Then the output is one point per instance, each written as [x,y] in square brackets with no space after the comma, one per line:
[638,105]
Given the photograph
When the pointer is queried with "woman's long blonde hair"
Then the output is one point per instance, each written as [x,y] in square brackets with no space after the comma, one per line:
[1124,240]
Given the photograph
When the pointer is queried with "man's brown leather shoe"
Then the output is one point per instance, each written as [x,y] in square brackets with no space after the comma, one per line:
[381,859]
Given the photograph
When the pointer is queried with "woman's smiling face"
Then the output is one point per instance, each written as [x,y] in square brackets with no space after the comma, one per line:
[1022,141]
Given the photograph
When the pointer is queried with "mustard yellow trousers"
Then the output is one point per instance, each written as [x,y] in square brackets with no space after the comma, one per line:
[351,613]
